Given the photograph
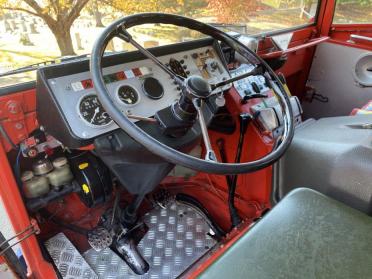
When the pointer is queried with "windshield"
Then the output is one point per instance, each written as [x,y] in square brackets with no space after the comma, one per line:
[33,31]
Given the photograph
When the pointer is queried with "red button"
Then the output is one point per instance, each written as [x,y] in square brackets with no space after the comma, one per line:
[137,72]
[87,83]
[120,76]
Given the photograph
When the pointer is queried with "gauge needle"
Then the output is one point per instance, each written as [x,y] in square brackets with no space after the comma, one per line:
[94,115]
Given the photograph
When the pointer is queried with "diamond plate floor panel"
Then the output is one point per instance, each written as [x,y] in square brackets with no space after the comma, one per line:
[67,258]
[176,238]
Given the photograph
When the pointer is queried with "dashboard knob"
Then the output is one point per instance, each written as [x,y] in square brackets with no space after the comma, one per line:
[255,87]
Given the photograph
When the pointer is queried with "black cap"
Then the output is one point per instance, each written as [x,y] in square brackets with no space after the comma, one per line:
[199,86]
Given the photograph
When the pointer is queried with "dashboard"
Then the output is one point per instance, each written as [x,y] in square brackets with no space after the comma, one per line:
[69,109]
[137,88]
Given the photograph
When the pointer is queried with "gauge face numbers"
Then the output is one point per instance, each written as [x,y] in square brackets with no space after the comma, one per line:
[91,110]
[127,95]
[153,88]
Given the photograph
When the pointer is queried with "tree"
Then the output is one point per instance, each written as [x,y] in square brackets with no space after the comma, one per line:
[59,15]
[135,6]
[94,10]
[182,7]
[233,11]
[189,7]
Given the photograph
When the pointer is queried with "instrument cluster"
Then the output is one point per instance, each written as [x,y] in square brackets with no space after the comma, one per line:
[138,88]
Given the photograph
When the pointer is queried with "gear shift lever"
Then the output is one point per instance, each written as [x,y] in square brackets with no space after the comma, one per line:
[128,235]
[126,248]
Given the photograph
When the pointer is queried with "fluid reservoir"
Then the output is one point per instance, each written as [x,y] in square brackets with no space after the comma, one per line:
[34,186]
[61,174]
[42,167]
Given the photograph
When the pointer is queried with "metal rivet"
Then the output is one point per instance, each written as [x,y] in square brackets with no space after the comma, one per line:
[18,126]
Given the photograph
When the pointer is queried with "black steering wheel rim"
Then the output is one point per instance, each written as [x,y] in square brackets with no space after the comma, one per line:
[153,145]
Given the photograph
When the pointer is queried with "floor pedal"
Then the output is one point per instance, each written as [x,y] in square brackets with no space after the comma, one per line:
[176,238]
[67,258]
[99,238]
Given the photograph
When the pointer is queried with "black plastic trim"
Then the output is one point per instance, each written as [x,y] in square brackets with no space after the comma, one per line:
[74,67]
[16,88]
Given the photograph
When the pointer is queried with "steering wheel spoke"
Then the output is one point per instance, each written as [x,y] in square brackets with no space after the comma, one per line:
[254,72]
[210,155]
[123,34]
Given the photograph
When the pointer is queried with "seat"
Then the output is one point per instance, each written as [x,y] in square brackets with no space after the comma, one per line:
[307,235]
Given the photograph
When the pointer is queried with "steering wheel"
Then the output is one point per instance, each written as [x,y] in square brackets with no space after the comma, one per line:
[195,90]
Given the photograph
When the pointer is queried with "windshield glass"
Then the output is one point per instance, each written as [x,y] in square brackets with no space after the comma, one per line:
[33,31]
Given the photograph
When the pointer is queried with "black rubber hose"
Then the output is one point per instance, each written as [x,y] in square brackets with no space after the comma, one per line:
[70,227]
[129,215]
[234,217]
[195,204]
[221,147]
[59,222]
[17,170]
[7,138]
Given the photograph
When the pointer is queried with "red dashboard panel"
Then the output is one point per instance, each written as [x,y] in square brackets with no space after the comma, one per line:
[18,115]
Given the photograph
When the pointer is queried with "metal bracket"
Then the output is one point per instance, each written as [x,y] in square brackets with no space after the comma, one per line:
[33,228]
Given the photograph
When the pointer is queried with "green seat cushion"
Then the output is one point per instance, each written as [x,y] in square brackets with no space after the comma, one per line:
[307,235]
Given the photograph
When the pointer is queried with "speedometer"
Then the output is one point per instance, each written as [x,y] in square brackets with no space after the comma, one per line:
[91,110]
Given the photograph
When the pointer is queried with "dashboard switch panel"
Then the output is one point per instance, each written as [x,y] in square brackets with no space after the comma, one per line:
[250,85]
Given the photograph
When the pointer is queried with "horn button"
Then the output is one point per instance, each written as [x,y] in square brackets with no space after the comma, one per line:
[198,86]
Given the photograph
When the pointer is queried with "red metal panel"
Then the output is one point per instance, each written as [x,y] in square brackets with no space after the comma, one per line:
[340,34]
[18,116]
[18,217]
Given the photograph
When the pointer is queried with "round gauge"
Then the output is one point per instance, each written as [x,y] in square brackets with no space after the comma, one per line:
[128,95]
[91,110]
[153,88]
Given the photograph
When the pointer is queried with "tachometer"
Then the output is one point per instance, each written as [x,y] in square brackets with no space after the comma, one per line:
[128,95]
[91,110]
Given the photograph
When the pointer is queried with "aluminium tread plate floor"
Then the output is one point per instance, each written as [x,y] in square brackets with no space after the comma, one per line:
[177,237]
